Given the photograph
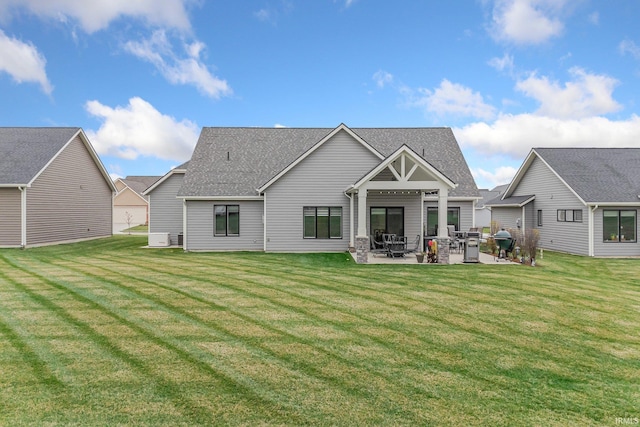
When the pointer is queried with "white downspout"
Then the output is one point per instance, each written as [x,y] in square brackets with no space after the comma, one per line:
[591,235]
[264,221]
[184,224]
[23,217]
[351,241]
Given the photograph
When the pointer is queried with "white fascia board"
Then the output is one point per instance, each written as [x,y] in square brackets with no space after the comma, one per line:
[92,153]
[133,191]
[95,157]
[315,147]
[613,204]
[525,166]
[417,159]
[519,174]
[220,198]
[15,185]
[163,179]
[562,180]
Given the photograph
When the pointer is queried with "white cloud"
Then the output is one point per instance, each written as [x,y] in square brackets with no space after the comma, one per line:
[516,135]
[23,62]
[138,129]
[587,95]
[527,21]
[96,15]
[629,46]
[501,175]
[453,98]
[502,64]
[382,78]
[179,70]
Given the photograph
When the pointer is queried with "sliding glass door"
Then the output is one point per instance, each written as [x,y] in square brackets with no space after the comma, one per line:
[386,221]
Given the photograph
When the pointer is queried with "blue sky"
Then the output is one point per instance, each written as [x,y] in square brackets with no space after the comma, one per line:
[142,77]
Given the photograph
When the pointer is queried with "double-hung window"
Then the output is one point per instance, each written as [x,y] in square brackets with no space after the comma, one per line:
[619,225]
[569,215]
[227,220]
[322,222]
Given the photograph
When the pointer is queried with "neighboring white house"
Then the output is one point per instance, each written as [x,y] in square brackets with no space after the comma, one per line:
[131,201]
[583,201]
[315,189]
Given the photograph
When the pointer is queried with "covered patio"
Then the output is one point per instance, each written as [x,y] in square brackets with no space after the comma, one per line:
[400,181]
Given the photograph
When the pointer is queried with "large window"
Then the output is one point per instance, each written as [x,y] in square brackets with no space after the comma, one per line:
[386,220]
[453,218]
[569,215]
[619,225]
[322,222]
[227,220]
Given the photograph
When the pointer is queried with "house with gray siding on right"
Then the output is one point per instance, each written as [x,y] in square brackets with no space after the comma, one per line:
[583,201]
[165,209]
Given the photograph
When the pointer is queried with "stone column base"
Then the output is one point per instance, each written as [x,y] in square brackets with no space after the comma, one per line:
[443,250]
[362,250]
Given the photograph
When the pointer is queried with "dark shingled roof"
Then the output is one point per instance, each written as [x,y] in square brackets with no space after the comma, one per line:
[140,183]
[24,152]
[237,161]
[597,175]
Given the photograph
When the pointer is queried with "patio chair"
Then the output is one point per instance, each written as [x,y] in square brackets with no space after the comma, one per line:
[377,247]
[415,246]
[454,241]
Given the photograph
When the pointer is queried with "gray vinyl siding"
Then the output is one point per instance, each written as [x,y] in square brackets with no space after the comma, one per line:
[602,248]
[200,223]
[165,209]
[319,180]
[505,217]
[552,194]
[10,223]
[466,212]
[70,200]
[411,205]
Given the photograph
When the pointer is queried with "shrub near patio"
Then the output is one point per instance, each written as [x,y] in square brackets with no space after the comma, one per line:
[106,332]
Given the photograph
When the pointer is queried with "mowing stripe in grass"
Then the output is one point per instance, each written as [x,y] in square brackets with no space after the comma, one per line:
[101,279]
[196,412]
[381,342]
[264,352]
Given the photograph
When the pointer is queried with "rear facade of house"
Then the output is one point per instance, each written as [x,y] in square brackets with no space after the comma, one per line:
[292,190]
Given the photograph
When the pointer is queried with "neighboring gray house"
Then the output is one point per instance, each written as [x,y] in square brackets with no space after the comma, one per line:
[483,211]
[319,189]
[583,201]
[165,214]
[53,188]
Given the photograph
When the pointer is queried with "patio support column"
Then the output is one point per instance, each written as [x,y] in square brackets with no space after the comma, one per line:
[362,239]
[443,231]
[442,212]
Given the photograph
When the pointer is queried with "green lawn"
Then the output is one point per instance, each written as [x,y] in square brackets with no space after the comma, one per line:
[107,333]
